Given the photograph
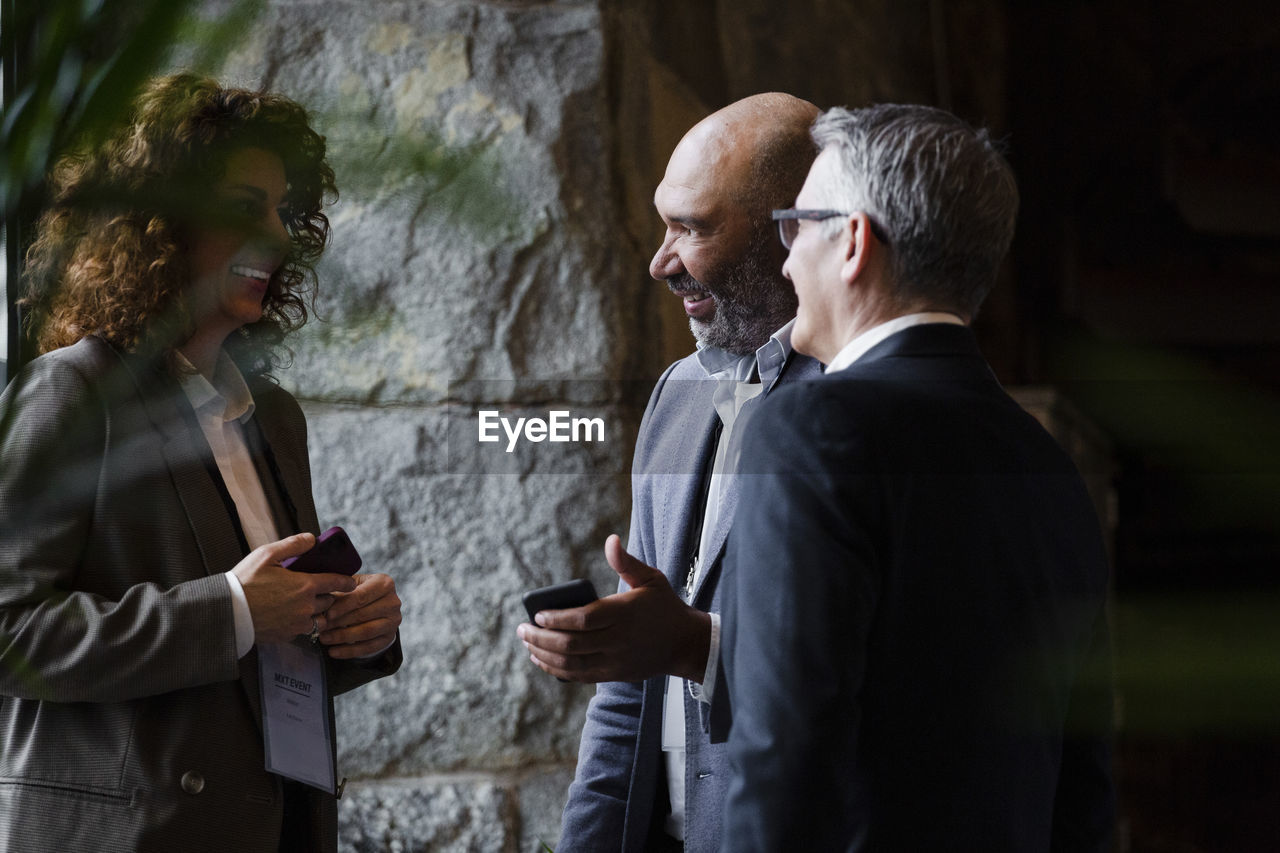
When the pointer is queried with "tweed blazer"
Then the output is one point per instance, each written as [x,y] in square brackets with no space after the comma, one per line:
[616,798]
[126,720]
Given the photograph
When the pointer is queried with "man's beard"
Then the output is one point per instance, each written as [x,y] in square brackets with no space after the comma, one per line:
[752,300]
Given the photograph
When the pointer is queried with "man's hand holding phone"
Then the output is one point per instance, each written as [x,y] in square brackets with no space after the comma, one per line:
[636,634]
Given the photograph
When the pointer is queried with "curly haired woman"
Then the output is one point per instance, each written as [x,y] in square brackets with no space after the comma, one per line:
[153,478]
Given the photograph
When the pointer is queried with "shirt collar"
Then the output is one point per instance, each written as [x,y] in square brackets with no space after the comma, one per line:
[864,341]
[227,396]
[767,361]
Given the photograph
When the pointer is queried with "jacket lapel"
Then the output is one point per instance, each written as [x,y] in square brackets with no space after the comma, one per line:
[687,487]
[797,367]
[189,461]
[277,491]
[281,460]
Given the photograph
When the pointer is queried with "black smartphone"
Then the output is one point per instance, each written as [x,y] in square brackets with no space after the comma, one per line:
[333,552]
[561,596]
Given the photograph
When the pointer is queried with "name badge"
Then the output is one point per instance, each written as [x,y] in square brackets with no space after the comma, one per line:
[295,712]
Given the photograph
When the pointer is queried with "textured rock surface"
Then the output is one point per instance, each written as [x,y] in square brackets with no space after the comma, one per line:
[459,814]
[465,816]
[462,547]
[542,798]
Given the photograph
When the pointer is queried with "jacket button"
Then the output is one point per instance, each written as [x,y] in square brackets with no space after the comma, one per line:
[192,782]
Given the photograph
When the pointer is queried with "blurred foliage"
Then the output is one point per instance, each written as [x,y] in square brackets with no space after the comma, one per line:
[80,62]
[1198,655]
[1199,664]
[1215,433]
[368,161]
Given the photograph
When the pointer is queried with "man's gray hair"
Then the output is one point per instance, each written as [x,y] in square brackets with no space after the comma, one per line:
[938,191]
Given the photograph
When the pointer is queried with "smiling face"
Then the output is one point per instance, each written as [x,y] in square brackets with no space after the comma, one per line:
[233,258]
[711,257]
[814,267]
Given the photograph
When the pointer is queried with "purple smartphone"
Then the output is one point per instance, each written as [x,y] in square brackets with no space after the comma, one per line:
[333,552]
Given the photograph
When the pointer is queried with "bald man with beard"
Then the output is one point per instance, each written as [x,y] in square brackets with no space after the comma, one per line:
[648,777]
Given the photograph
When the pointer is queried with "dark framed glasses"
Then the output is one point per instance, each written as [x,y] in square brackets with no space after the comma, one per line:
[789,223]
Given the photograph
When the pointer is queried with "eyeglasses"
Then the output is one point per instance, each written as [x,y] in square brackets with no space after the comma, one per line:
[789,223]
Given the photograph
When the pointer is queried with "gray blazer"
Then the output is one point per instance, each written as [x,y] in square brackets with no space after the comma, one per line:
[126,720]
[614,801]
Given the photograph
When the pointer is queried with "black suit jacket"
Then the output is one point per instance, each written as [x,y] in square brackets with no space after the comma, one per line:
[918,582]
[126,721]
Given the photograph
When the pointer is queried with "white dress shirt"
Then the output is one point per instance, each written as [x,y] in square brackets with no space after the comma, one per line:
[864,341]
[222,408]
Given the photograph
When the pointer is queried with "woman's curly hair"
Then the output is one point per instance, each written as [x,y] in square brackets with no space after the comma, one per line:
[111,253]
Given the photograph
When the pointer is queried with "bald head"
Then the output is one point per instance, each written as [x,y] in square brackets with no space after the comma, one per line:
[756,151]
[719,254]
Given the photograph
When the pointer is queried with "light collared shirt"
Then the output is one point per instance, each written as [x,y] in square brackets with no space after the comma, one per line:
[222,408]
[864,341]
[739,379]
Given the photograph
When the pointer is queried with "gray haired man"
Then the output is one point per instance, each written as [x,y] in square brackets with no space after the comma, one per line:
[915,576]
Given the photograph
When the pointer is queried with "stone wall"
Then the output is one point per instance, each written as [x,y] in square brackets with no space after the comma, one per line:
[496,162]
